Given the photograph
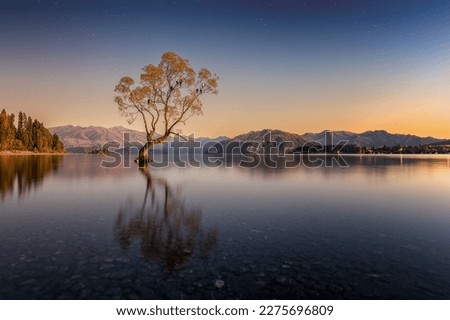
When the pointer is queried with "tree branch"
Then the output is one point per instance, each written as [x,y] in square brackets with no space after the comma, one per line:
[177,134]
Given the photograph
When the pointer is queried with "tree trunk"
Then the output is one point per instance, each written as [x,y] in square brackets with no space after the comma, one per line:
[143,158]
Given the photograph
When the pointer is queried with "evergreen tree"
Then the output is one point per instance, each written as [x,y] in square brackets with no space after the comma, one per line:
[29,135]
[29,132]
[57,144]
[22,134]
[3,129]
[7,131]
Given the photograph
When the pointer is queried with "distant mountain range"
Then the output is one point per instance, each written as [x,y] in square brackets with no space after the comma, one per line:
[85,139]
[291,142]
[377,138]
[79,139]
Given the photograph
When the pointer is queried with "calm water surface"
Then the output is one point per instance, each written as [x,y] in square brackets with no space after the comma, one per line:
[70,229]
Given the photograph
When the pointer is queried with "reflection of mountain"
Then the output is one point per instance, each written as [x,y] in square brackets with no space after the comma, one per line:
[167,231]
[25,172]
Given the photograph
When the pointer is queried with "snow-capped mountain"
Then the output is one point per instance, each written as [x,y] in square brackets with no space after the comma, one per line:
[79,139]
[84,139]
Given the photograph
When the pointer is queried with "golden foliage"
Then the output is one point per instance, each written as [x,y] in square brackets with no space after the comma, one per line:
[169,94]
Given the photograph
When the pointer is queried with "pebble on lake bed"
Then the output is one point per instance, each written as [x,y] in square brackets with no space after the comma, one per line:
[219,283]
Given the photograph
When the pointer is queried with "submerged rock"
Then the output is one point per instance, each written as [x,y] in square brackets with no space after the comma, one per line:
[218,283]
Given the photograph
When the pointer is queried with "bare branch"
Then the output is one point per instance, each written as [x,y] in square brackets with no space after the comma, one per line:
[179,135]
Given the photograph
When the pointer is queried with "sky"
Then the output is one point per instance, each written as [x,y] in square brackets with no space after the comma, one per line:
[298,66]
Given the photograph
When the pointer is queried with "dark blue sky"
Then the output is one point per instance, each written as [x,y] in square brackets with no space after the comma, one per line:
[322,59]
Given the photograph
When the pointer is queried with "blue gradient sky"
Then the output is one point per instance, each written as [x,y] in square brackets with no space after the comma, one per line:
[292,65]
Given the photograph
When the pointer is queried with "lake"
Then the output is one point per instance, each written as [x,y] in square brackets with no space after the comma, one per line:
[378,228]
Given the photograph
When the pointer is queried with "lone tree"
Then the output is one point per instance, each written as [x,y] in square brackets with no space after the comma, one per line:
[169,94]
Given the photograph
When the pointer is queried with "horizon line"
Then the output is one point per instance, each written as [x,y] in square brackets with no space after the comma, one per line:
[257,130]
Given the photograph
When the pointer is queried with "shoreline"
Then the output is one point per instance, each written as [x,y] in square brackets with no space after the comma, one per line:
[25,153]
[29,153]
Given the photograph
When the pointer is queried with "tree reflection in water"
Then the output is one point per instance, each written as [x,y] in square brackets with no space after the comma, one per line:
[167,231]
[25,172]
